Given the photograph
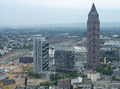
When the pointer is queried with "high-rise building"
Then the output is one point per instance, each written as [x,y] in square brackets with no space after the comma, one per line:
[93,39]
[40,54]
[64,59]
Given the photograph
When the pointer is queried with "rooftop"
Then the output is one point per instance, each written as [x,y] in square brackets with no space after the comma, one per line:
[93,9]
[6,82]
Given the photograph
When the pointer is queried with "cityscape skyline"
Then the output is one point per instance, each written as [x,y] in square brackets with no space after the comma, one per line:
[49,55]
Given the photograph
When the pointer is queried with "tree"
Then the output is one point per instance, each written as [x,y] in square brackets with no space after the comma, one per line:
[71,87]
[47,84]
[92,86]
[73,75]
[105,69]
[80,87]
[55,77]
[115,78]
[34,74]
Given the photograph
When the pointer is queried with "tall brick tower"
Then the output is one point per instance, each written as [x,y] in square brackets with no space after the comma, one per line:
[93,39]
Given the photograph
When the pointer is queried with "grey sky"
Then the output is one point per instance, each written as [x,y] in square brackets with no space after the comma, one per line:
[26,12]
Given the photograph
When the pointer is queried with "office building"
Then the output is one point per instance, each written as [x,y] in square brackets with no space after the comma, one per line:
[93,39]
[64,59]
[40,54]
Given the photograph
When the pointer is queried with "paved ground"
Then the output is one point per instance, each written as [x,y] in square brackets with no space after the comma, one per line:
[11,57]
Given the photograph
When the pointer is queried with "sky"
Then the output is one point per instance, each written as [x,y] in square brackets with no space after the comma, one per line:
[35,12]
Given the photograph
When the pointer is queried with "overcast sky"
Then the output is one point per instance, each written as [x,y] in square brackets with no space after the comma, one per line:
[31,12]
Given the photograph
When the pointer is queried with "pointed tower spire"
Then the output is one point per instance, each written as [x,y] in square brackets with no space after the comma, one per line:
[93,40]
[93,9]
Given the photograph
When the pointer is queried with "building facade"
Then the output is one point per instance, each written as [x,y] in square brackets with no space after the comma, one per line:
[94,76]
[64,59]
[26,59]
[64,83]
[40,54]
[93,39]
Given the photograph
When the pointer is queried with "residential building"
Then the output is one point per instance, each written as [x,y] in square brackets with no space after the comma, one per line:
[94,76]
[64,83]
[76,81]
[8,84]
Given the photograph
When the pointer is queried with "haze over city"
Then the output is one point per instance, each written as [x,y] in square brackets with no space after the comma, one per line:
[32,12]
[59,44]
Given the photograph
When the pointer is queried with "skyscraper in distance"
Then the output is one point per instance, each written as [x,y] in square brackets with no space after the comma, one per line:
[93,39]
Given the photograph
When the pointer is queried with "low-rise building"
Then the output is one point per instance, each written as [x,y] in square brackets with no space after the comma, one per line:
[54,87]
[93,76]
[75,82]
[26,59]
[116,72]
[2,76]
[106,84]
[8,84]
[64,83]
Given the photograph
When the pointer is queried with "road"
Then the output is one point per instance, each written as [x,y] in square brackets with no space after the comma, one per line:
[14,56]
